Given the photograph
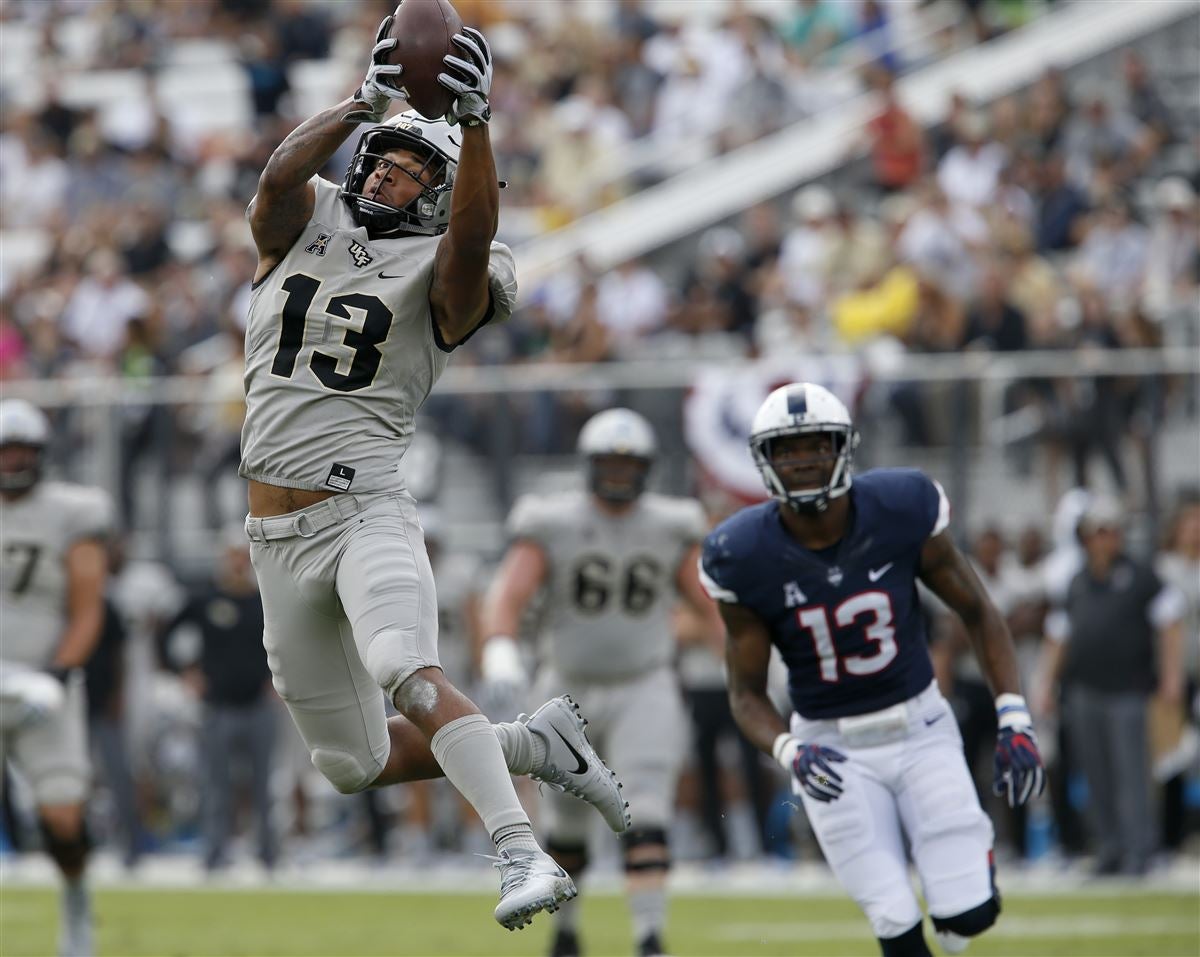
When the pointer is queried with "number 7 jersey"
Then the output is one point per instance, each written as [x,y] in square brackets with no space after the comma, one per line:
[342,349]
[847,620]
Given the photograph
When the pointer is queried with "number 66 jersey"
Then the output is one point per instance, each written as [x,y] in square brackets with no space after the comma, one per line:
[341,350]
[846,619]
[611,580]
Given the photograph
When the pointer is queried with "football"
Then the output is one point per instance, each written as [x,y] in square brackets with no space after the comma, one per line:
[423,31]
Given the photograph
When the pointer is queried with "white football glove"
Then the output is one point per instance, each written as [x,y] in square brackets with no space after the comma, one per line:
[30,697]
[374,92]
[504,677]
[470,82]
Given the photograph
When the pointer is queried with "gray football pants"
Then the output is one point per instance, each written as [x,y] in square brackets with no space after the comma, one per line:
[350,609]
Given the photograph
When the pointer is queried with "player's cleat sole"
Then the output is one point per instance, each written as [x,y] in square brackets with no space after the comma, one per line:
[572,764]
[530,882]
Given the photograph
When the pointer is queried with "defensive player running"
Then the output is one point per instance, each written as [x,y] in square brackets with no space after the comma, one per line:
[612,561]
[827,571]
[361,293]
[51,611]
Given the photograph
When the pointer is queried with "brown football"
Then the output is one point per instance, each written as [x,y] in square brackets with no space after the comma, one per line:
[423,30]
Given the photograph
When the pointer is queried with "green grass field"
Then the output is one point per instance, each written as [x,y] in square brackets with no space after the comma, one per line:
[258,922]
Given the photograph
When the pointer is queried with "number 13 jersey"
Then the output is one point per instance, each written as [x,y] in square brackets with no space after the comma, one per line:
[342,349]
[610,587]
[847,620]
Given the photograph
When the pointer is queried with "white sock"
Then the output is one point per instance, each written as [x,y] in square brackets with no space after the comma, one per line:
[515,836]
[648,910]
[76,918]
[469,753]
[523,750]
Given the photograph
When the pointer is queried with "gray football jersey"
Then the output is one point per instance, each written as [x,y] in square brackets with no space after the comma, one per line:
[611,581]
[36,532]
[342,349]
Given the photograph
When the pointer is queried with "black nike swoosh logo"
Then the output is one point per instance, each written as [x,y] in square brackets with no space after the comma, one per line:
[383,275]
[935,719]
[575,754]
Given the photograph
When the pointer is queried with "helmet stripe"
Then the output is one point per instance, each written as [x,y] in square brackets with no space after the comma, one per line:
[797,401]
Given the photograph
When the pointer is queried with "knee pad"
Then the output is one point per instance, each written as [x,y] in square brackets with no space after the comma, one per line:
[909,944]
[69,854]
[972,922]
[343,770]
[572,856]
[645,837]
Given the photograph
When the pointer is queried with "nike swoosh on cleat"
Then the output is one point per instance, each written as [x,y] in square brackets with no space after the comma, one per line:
[383,275]
[575,754]
[877,573]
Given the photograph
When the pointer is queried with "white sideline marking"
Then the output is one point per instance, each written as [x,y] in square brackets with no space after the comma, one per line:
[1090,926]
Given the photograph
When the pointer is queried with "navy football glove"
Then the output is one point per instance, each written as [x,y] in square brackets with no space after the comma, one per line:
[1019,773]
[811,765]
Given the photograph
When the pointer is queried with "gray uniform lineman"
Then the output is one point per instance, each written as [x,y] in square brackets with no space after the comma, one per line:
[359,295]
[610,564]
[38,529]
[52,572]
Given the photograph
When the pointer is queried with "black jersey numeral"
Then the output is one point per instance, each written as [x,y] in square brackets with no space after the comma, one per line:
[26,557]
[364,366]
[597,578]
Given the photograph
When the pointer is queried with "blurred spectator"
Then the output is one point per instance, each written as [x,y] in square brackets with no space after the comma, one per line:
[805,259]
[106,690]
[897,144]
[1179,566]
[1145,103]
[993,322]
[631,301]
[815,27]
[229,672]
[145,426]
[717,295]
[102,306]
[1116,640]
[970,172]
[1172,274]
[1097,133]
[1061,207]
[1112,257]
[940,241]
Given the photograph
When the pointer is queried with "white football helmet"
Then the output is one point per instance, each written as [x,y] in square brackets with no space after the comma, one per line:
[429,212]
[23,423]
[803,408]
[617,432]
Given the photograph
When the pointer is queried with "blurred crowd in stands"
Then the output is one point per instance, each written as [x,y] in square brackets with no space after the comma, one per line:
[1055,218]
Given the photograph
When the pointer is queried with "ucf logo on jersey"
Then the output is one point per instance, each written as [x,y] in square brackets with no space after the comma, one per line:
[359,254]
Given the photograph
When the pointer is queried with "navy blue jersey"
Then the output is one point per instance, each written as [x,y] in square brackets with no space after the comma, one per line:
[846,619]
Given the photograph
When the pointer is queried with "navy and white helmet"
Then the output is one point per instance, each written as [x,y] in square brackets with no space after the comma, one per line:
[428,213]
[617,432]
[23,423]
[803,408]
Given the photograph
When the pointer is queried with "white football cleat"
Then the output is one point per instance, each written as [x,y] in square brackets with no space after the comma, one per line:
[951,942]
[572,764]
[530,882]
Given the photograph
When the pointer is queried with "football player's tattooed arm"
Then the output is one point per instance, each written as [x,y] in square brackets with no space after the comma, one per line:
[950,576]
[747,659]
[285,198]
[459,296]
[87,568]
[687,582]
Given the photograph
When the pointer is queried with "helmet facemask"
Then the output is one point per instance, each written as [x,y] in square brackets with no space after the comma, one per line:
[629,482]
[427,213]
[816,499]
[15,480]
